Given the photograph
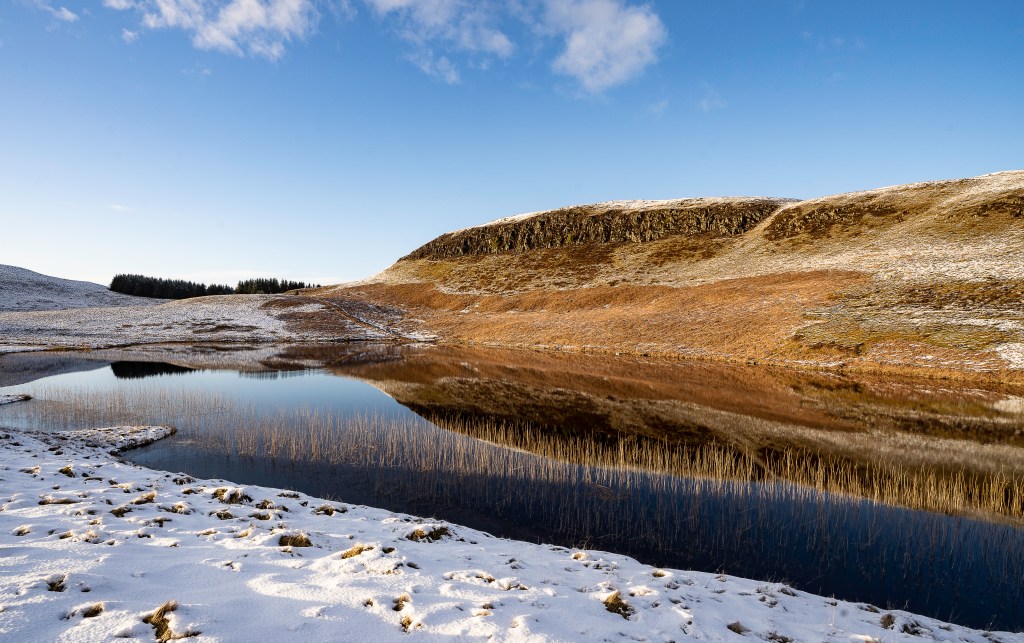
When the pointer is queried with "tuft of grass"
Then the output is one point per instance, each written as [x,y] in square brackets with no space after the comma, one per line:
[68,471]
[401,602]
[294,540]
[231,496]
[57,584]
[162,625]
[406,623]
[93,611]
[616,605]
[145,498]
[50,500]
[738,628]
[355,551]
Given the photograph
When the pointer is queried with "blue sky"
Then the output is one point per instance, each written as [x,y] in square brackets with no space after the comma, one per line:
[320,140]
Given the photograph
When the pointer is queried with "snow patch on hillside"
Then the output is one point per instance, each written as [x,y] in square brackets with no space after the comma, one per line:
[24,290]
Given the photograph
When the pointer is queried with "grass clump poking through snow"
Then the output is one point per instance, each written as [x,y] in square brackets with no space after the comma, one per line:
[429,535]
[231,496]
[93,611]
[294,540]
[616,605]
[161,623]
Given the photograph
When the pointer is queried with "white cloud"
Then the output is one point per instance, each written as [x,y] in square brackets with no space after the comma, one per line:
[607,42]
[129,36]
[120,208]
[254,27]
[711,100]
[60,13]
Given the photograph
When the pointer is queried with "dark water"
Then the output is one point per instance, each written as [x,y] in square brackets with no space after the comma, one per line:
[961,570]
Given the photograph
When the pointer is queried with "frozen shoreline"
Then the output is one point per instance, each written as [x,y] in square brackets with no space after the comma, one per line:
[131,539]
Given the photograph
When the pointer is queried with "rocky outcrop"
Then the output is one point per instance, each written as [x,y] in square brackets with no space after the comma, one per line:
[993,199]
[612,222]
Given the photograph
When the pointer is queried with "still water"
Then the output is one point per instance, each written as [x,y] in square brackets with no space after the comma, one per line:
[954,568]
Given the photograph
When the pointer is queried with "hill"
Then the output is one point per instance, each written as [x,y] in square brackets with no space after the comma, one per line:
[24,290]
[924,277]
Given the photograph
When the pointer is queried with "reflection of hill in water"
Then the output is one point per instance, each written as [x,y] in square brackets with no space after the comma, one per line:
[21,368]
[872,428]
[140,370]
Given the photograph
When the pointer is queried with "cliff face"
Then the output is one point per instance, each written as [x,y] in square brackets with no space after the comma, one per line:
[613,222]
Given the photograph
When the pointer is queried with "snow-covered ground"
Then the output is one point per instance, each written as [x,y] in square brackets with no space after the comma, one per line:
[97,549]
[228,318]
[24,290]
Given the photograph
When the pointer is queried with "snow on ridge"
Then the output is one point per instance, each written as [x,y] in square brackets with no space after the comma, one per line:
[974,186]
[24,290]
[95,546]
[637,204]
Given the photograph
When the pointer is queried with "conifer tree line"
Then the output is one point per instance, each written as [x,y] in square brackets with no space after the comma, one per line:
[143,286]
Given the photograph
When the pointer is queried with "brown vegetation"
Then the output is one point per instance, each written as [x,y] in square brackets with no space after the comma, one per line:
[921,278]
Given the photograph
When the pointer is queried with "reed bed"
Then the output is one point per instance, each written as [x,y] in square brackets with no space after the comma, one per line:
[801,517]
[467,447]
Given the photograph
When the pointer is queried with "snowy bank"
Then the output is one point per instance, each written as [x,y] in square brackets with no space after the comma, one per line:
[95,548]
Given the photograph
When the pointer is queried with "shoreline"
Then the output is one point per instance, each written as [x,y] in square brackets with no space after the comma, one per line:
[216,550]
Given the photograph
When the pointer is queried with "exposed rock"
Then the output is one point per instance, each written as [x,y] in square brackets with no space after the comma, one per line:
[611,222]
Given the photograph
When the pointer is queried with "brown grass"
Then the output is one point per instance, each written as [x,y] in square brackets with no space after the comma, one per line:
[742,318]
[616,605]
[294,540]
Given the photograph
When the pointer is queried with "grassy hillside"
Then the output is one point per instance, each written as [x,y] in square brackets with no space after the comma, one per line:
[925,277]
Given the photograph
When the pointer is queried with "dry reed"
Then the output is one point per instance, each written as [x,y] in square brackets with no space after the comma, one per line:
[516,451]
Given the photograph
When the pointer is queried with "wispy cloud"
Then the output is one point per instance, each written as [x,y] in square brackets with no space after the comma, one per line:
[456,26]
[439,67]
[711,100]
[658,108]
[129,36]
[467,25]
[254,27]
[60,13]
[120,208]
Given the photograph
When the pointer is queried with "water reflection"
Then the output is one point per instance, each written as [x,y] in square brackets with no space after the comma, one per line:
[140,370]
[647,459]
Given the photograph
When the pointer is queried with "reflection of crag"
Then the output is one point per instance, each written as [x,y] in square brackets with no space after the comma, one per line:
[139,370]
